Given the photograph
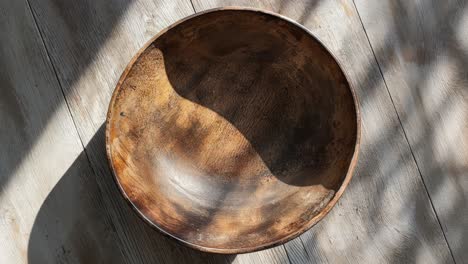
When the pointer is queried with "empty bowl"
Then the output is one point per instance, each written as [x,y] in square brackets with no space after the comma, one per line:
[233,130]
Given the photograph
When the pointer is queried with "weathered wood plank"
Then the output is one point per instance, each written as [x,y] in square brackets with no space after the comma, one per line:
[41,152]
[385,215]
[422,49]
[296,252]
[90,44]
[276,255]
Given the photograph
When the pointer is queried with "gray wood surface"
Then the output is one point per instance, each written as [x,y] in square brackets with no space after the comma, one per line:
[60,61]
[40,156]
[422,49]
[385,215]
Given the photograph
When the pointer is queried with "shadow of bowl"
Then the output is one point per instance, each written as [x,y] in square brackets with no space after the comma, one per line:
[232,131]
[75,224]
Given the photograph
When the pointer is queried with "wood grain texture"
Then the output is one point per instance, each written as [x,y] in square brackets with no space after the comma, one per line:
[41,153]
[90,43]
[385,216]
[297,253]
[422,50]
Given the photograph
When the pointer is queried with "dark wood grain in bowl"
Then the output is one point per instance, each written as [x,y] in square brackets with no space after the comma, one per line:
[232,131]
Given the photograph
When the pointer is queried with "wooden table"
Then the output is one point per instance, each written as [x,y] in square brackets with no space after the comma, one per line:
[60,61]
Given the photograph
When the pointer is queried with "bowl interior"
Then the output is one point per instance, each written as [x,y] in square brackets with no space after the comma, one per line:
[232,131]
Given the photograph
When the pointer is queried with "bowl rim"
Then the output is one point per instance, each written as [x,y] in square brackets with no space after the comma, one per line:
[325,210]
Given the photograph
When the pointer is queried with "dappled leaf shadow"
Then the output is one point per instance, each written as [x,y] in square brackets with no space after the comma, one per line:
[420,42]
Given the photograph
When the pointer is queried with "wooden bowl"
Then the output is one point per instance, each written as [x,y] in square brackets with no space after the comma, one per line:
[233,130]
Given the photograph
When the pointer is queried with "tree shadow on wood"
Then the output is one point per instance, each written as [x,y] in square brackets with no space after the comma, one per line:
[423,43]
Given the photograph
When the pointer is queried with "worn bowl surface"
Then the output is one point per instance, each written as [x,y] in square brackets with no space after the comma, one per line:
[232,131]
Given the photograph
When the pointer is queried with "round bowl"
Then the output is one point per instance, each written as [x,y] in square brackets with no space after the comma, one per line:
[233,130]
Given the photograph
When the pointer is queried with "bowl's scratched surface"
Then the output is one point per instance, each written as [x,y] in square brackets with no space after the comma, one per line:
[233,131]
